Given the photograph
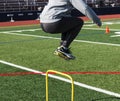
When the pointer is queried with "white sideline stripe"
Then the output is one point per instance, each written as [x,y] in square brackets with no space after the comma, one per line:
[30,35]
[22,30]
[117,34]
[101,43]
[41,29]
[63,79]
[114,35]
[101,29]
[109,44]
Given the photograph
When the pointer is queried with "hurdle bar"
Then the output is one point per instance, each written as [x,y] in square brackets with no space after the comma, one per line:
[63,74]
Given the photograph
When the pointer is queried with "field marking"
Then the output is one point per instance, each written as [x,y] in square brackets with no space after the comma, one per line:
[117,34]
[41,29]
[84,41]
[104,23]
[102,29]
[72,73]
[22,30]
[63,79]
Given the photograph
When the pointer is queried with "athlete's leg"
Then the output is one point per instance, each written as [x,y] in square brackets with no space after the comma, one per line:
[69,27]
[74,26]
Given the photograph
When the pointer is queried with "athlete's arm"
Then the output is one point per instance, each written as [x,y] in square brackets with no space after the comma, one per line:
[86,10]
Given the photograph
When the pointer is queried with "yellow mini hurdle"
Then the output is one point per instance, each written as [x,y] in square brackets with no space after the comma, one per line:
[63,74]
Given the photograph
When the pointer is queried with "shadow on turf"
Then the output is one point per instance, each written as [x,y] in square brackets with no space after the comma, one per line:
[106,99]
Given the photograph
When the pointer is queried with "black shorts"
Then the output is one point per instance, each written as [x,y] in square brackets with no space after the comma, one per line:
[64,25]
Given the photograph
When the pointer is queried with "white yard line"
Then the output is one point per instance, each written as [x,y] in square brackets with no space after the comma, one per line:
[103,29]
[101,43]
[63,79]
[22,30]
[30,35]
[84,41]
[104,23]
[117,34]
[41,29]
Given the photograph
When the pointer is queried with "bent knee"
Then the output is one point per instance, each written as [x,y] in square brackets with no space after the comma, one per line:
[48,28]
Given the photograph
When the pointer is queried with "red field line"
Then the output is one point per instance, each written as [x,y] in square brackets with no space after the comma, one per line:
[72,73]
[19,23]
[33,22]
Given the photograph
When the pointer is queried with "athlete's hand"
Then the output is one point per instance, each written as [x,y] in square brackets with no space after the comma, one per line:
[99,23]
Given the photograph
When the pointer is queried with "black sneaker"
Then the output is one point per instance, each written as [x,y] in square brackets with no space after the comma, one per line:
[64,53]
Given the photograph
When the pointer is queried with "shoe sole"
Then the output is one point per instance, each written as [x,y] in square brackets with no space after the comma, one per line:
[62,55]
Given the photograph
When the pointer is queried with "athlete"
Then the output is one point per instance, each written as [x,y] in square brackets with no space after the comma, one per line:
[56,18]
